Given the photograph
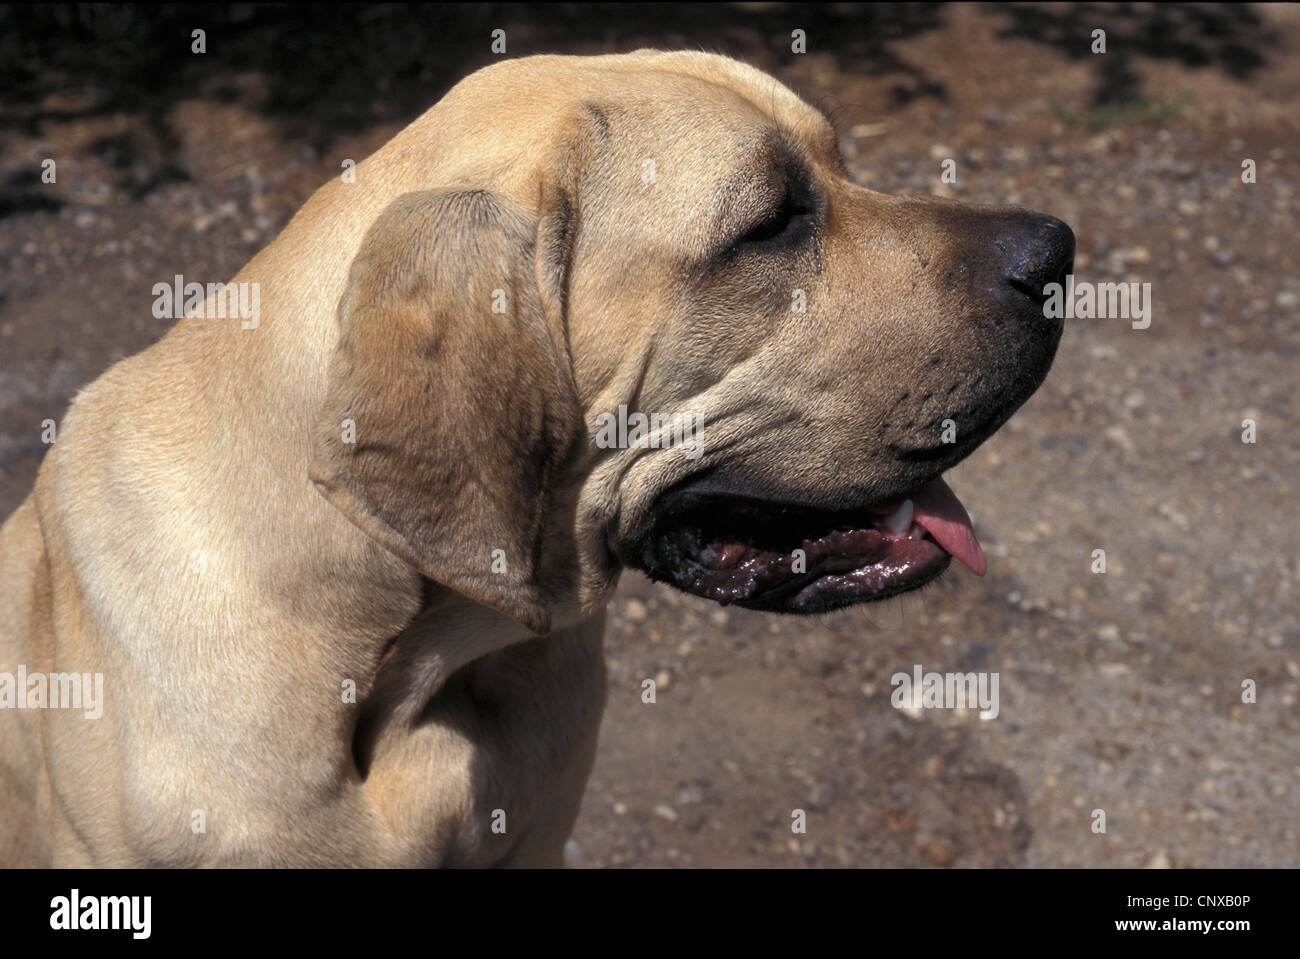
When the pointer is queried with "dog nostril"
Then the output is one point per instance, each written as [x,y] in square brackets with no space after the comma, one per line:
[1031,290]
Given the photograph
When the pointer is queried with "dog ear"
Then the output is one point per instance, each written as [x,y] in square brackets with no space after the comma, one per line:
[450,402]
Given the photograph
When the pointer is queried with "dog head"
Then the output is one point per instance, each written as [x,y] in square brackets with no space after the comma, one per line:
[641,316]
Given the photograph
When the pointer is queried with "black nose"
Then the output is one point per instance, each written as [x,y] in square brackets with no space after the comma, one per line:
[1036,250]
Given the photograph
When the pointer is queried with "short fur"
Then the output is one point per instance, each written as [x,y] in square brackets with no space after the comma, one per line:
[203,534]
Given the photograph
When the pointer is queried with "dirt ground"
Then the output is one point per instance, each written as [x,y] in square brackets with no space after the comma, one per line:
[1119,691]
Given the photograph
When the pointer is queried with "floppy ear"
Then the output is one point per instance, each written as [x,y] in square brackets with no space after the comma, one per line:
[450,402]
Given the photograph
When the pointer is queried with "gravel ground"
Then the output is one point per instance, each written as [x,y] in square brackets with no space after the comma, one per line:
[1119,691]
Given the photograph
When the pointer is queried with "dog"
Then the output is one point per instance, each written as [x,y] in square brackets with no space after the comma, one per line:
[343,570]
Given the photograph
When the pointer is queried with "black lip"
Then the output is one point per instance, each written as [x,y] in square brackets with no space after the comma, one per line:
[714,486]
[847,557]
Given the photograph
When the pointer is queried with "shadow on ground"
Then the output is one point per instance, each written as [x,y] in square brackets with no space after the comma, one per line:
[328,71]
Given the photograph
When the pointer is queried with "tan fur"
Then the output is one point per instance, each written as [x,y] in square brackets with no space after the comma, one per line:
[201,535]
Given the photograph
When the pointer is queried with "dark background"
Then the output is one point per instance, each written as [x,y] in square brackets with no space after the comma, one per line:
[1119,692]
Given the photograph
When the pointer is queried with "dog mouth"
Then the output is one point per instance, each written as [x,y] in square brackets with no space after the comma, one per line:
[794,559]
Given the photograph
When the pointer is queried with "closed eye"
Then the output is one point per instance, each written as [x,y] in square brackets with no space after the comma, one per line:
[786,220]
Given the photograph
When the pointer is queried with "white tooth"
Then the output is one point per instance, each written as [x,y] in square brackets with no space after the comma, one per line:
[901,518]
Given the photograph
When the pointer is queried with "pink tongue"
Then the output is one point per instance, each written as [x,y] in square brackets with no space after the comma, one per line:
[941,514]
